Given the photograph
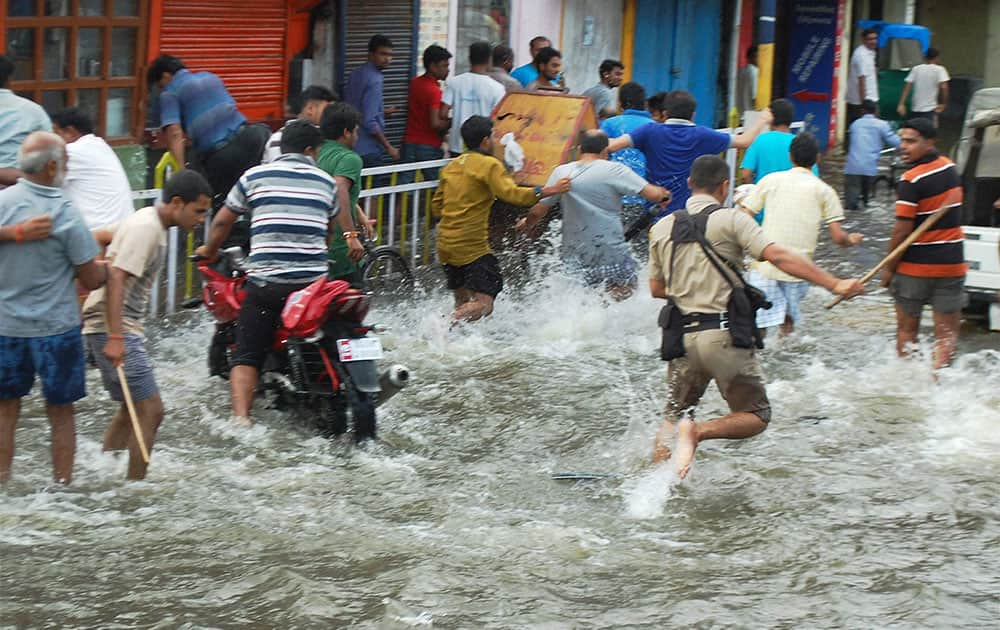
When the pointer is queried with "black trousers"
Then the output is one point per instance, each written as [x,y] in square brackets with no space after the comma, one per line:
[259,319]
[224,166]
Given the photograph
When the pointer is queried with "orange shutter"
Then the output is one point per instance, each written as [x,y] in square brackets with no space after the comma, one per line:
[242,41]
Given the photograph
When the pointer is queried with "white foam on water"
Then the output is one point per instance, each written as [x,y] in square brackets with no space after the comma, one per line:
[646,495]
[963,409]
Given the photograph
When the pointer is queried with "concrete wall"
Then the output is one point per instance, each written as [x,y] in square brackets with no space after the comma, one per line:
[959,30]
[991,72]
[591,33]
[535,17]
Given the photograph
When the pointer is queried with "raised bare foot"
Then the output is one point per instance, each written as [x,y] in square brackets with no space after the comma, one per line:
[687,442]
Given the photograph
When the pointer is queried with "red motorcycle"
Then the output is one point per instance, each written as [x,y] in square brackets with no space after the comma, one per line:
[322,365]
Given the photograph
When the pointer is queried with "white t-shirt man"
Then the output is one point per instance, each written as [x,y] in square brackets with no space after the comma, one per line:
[96,182]
[926,79]
[469,94]
[862,65]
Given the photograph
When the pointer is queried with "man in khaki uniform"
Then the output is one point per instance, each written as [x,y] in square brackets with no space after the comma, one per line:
[702,294]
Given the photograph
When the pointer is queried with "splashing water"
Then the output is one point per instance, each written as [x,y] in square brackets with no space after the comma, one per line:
[869,501]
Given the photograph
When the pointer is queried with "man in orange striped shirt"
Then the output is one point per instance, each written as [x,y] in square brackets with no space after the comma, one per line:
[932,270]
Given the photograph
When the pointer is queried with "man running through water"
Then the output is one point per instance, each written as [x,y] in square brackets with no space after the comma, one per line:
[593,241]
[469,185]
[684,274]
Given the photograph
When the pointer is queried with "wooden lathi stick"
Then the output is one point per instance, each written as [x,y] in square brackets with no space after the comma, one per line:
[902,247]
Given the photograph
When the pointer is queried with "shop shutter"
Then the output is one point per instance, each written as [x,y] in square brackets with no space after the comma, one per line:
[242,41]
[395,20]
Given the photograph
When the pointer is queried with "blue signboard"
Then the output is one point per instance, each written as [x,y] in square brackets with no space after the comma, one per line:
[811,68]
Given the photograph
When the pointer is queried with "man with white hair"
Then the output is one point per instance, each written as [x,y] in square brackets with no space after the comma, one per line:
[39,312]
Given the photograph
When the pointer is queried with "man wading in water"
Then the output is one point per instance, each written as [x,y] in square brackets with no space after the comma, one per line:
[593,241]
[469,185]
[114,317]
[685,276]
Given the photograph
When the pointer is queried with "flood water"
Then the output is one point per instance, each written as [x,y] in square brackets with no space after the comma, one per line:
[870,502]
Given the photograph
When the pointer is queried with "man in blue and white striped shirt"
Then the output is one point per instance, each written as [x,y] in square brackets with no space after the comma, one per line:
[294,212]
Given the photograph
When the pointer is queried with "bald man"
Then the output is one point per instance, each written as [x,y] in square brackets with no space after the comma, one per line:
[39,312]
[593,239]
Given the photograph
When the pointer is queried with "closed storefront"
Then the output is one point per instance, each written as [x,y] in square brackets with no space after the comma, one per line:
[242,41]
[396,19]
[678,47]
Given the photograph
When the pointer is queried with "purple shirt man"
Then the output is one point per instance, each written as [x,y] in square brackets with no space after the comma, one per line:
[364,90]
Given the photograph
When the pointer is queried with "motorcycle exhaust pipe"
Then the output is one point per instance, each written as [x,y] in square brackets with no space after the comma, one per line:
[391,381]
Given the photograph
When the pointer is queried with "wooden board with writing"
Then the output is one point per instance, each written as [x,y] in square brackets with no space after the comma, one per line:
[546,126]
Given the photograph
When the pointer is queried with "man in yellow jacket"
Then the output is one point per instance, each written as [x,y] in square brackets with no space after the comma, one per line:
[468,186]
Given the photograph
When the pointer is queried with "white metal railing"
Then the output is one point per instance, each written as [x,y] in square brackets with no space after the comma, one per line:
[401,211]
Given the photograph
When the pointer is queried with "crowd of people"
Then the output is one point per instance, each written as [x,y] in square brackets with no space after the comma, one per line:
[67,226]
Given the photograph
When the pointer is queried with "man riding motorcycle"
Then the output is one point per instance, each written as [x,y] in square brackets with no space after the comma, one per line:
[294,216]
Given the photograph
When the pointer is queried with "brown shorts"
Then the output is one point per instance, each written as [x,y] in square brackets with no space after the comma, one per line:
[711,356]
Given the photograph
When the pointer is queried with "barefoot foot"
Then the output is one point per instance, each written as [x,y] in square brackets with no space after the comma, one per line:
[661,452]
[242,421]
[687,442]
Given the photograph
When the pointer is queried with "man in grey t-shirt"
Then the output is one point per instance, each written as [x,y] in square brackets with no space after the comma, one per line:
[593,243]
[604,95]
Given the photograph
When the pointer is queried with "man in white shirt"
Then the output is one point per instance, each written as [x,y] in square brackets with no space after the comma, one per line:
[862,77]
[929,83]
[472,93]
[95,179]
[309,106]
[798,204]
[746,83]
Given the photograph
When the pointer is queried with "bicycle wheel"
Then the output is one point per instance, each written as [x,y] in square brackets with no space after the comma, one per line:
[387,274]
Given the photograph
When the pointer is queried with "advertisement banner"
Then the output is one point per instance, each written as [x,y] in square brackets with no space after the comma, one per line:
[812,64]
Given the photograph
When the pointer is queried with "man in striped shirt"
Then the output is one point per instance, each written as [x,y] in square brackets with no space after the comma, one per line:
[932,270]
[295,213]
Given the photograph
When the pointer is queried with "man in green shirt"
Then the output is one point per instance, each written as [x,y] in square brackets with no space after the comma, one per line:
[339,125]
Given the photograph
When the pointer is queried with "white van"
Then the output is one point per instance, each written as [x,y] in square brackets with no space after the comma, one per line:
[977,156]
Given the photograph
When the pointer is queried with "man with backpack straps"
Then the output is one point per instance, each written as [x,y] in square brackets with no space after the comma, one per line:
[713,339]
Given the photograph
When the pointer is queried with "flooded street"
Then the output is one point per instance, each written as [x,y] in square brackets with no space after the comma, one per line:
[871,501]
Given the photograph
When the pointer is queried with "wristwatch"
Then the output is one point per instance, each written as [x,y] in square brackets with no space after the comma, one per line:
[538,191]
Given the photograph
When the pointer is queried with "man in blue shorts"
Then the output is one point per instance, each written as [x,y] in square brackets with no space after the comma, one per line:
[39,312]
[672,147]
[113,317]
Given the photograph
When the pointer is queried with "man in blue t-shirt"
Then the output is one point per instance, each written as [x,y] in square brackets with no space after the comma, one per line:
[528,72]
[671,147]
[197,105]
[769,153]
[632,98]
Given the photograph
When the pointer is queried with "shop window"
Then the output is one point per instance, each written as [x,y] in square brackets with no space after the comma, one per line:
[480,20]
[82,53]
